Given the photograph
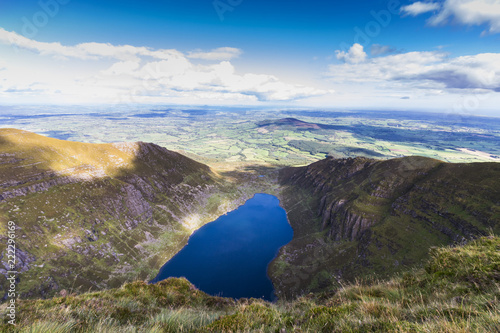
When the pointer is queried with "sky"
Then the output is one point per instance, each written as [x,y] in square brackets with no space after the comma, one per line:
[360,54]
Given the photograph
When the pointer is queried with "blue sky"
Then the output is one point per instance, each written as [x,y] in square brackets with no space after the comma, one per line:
[394,54]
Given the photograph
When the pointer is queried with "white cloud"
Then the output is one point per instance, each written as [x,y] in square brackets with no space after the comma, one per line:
[122,67]
[419,7]
[467,12]
[222,78]
[481,71]
[356,54]
[470,12]
[85,50]
[103,72]
[424,70]
[432,80]
[221,53]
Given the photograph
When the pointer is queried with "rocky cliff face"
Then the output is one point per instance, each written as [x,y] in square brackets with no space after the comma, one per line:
[91,216]
[353,217]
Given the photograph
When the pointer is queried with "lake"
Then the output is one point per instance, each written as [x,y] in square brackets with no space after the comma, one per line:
[229,256]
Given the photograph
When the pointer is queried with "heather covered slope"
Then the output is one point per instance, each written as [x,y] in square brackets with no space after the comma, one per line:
[456,291]
[91,216]
[357,217]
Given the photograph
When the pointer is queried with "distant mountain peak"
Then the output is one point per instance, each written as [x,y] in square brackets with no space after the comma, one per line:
[289,122]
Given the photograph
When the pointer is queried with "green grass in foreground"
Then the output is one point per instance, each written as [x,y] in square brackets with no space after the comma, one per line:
[458,290]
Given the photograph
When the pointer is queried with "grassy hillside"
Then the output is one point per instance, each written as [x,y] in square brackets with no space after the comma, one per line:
[359,217]
[458,290]
[92,216]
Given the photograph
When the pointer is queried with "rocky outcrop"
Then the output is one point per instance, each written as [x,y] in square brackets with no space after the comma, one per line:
[22,259]
[42,183]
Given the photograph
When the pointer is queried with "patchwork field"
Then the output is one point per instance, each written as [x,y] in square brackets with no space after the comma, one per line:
[266,136]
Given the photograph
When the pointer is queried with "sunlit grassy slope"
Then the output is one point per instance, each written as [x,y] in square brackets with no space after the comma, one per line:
[458,290]
[50,154]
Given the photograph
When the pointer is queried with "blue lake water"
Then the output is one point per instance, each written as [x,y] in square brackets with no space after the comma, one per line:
[229,257]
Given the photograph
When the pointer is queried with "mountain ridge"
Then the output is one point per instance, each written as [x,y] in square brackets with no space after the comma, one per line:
[97,215]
